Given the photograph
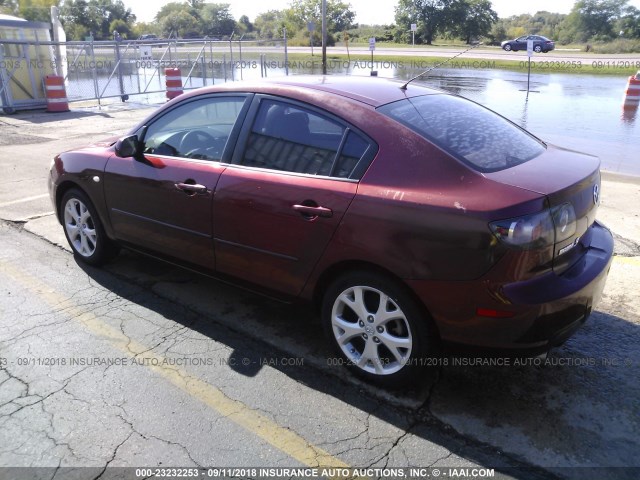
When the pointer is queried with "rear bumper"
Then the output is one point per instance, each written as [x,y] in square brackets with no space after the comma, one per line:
[545,311]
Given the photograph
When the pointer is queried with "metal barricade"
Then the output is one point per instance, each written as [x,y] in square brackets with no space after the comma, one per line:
[95,70]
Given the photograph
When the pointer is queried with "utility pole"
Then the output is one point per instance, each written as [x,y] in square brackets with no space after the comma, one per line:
[324,37]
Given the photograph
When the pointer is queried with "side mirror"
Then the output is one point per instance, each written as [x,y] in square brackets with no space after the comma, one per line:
[129,147]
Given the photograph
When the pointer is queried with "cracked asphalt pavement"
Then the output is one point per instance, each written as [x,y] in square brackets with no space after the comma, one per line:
[141,364]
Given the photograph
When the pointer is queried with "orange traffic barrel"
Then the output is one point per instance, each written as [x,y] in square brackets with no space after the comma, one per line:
[173,78]
[632,95]
[56,94]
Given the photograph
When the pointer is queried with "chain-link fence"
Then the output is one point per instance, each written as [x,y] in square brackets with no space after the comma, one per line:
[98,70]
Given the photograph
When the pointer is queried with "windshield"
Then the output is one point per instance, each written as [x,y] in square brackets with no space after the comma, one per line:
[476,135]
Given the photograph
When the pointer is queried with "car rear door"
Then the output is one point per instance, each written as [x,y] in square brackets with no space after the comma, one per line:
[164,202]
[279,203]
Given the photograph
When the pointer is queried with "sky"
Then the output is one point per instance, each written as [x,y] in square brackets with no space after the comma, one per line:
[367,11]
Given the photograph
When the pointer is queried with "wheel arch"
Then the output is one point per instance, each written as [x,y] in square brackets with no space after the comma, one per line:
[70,184]
[63,188]
[341,268]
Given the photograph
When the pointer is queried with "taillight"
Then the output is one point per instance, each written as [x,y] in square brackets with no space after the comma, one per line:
[538,230]
[528,232]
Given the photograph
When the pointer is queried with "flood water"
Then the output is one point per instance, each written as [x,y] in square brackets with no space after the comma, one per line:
[579,112]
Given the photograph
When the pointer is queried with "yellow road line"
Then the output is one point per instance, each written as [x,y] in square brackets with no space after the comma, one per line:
[627,260]
[282,438]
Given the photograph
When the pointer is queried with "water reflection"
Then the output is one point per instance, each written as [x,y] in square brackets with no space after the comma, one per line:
[525,112]
[629,115]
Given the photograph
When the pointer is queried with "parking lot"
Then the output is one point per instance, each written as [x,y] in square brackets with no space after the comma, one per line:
[145,365]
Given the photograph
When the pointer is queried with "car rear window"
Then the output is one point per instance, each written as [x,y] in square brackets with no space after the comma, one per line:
[474,134]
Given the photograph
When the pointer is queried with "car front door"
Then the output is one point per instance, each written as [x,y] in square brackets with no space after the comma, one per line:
[278,205]
[163,202]
[521,43]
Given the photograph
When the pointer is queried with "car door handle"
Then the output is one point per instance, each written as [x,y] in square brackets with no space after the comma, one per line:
[313,211]
[191,188]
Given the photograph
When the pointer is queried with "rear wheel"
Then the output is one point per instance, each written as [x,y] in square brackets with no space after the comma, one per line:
[377,328]
[507,48]
[84,230]
[537,49]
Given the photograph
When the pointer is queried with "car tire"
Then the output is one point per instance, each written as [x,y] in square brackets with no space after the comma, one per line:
[507,48]
[83,228]
[537,49]
[389,347]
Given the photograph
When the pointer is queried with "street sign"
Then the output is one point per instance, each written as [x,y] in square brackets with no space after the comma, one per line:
[311,26]
[372,43]
[145,53]
[414,27]
[530,48]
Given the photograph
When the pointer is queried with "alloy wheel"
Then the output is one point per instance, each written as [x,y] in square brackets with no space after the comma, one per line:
[371,330]
[80,227]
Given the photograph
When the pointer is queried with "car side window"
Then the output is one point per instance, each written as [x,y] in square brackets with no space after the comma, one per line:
[198,129]
[291,138]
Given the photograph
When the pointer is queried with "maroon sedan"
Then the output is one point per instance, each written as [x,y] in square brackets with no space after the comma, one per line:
[412,217]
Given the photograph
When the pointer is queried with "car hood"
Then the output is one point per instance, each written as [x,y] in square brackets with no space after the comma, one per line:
[555,170]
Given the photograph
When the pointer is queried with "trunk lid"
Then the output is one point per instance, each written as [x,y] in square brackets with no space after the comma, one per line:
[565,177]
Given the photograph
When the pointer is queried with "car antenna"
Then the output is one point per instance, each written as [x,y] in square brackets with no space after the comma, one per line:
[404,87]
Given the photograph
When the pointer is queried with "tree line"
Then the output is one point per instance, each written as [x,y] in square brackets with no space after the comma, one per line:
[590,21]
[466,20]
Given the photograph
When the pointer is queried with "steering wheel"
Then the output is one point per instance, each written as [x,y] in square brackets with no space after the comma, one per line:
[195,140]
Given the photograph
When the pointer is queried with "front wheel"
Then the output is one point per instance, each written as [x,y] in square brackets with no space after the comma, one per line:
[377,328]
[84,230]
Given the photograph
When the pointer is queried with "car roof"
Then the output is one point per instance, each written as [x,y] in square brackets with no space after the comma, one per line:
[372,91]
